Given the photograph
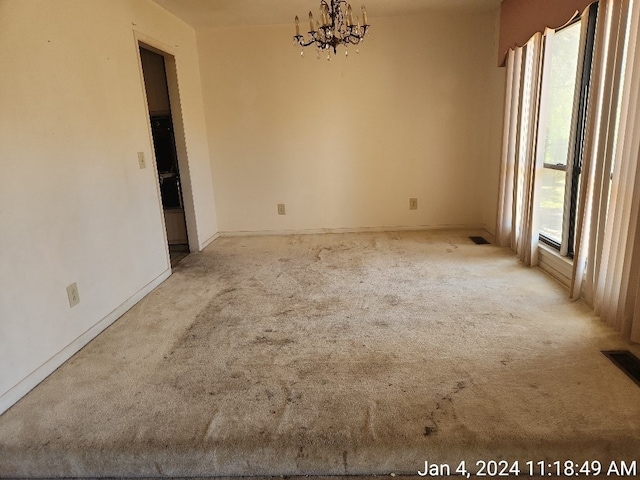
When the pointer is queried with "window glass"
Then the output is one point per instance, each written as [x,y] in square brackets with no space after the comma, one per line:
[560,87]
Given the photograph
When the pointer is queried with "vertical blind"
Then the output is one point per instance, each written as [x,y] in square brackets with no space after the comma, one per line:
[606,264]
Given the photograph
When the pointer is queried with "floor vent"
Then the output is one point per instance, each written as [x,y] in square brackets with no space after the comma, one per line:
[480,240]
[627,362]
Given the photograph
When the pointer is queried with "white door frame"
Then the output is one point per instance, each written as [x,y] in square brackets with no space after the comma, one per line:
[144,41]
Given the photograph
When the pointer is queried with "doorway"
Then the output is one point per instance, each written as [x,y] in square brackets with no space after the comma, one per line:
[164,145]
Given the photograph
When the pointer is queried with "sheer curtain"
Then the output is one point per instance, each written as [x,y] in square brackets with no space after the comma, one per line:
[504,228]
[517,207]
[607,260]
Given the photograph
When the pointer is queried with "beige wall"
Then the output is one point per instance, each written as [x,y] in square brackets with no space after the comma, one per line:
[342,144]
[74,206]
[346,143]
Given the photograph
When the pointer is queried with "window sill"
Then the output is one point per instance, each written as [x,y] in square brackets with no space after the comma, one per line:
[560,268]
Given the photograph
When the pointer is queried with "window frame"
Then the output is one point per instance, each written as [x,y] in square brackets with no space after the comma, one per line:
[573,166]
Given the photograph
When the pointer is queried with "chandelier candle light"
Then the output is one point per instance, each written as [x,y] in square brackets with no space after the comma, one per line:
[336,28]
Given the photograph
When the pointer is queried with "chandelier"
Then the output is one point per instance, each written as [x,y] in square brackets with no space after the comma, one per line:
[337,27]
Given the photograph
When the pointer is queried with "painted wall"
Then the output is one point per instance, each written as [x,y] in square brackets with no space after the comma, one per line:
[74,205]
[345,144]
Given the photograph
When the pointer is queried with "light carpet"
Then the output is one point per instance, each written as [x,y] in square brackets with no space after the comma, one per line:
[333,355]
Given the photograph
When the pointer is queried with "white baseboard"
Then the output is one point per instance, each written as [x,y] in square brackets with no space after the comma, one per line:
[489,234]
[209,241]
[251,233]
[18,391]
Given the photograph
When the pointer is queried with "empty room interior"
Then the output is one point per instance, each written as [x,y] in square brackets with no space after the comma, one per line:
[306,238]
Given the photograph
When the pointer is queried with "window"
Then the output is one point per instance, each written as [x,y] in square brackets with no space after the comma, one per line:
[565,90]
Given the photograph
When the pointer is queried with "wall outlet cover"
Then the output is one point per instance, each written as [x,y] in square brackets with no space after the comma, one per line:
[281,209]
[141,161]
[72,294]
[413,204]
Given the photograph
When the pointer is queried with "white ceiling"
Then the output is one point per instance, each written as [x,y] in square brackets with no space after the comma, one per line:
[218,13]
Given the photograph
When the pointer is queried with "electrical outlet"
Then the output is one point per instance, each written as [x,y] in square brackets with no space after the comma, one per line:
[72,293]
[281,210]
[141,161]
[413,204]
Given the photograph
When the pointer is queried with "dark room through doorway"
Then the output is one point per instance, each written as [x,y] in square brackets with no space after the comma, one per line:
[159,104]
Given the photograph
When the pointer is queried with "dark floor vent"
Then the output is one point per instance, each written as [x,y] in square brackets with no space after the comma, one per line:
[480,240]
[627,362]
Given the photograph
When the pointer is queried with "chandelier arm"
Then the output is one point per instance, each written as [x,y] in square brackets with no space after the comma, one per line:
[302,42]
[337,27]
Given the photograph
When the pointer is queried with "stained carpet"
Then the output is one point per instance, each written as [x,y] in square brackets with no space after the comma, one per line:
[333,355]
